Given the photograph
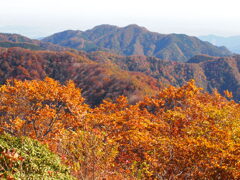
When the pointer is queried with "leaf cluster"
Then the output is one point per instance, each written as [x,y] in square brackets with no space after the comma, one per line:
[181,133]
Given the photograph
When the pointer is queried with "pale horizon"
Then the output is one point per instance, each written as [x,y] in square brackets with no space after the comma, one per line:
[35,18]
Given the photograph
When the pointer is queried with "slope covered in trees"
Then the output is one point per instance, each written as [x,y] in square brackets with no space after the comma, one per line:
[97,81]
[103,75]
[209,72]
[16,40]
[181,133]
[136,40]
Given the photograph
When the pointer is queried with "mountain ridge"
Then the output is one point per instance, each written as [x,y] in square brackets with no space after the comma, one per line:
[136,40]
[231,42]
[16,40]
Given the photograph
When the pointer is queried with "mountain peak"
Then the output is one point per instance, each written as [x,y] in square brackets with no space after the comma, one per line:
[135,26]
[103,27]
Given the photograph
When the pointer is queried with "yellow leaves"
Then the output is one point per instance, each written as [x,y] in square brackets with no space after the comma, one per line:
[200,131]
[181,132]
[18,123]
[228,94]
[46,107]
[89,153]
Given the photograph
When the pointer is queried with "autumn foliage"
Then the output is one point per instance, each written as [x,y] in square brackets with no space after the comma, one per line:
[181,133]
[40,109]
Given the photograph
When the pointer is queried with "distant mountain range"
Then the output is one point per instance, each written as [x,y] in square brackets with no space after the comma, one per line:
[30,31]
[232,42]
[136,40]
[15,40]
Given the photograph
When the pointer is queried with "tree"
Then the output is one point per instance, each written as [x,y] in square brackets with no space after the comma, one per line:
[40,109]
[201,138]
[181,133]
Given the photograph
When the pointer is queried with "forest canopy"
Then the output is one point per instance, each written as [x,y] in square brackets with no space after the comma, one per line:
[178,133]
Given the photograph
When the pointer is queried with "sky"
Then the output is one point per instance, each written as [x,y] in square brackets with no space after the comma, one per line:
[39,18]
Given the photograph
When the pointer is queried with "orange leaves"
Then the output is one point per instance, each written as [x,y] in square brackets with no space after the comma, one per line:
[18,123]
[180,133]
[40,109]
[228,94]
[196,134]
[90,154]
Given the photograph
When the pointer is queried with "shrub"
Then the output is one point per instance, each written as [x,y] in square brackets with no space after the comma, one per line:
[24,158]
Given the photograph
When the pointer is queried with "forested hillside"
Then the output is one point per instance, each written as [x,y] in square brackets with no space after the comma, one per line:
[17,40]
[87,94]
[98,81]
[103,75]
[136,40]
[133,123]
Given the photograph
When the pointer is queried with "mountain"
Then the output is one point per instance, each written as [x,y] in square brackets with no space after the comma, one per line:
[136,40]
[210,73]
[232,42]
[103,75]
[15,40]
[96,80]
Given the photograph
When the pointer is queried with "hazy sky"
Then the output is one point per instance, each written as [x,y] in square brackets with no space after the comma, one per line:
[193,17]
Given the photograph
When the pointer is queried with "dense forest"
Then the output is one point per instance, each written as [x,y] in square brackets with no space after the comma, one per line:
[118,113]
[180,133]
[103,75]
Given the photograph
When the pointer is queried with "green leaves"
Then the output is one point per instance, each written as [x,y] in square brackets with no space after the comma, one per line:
[24,158]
